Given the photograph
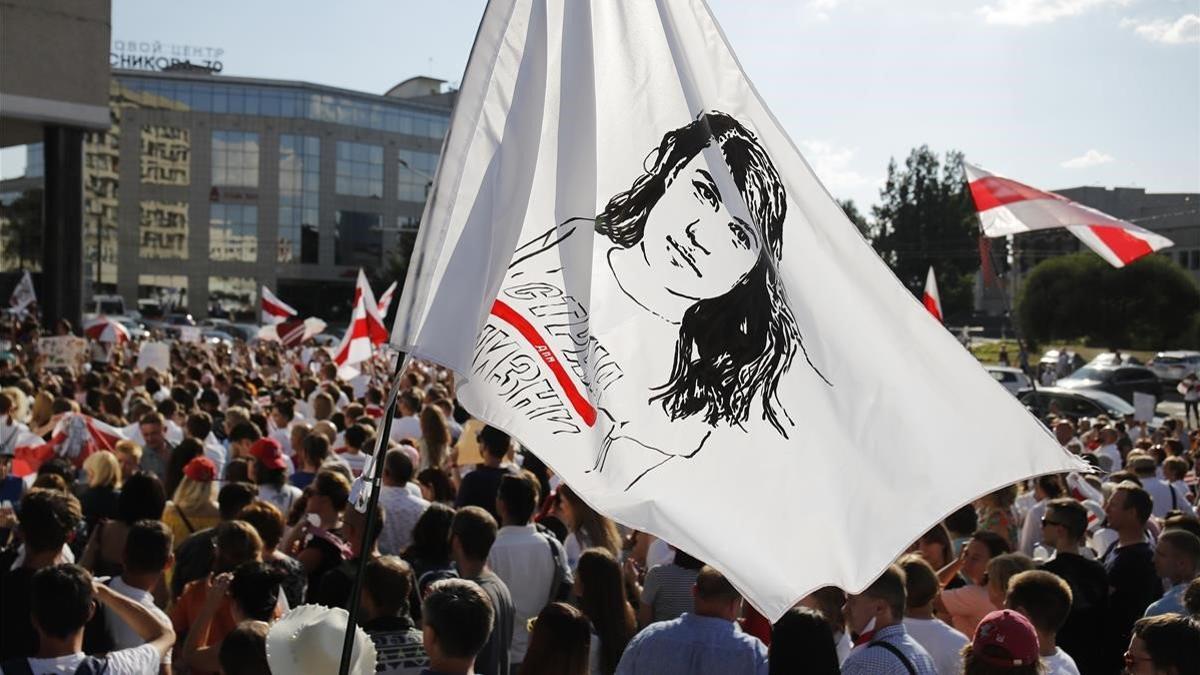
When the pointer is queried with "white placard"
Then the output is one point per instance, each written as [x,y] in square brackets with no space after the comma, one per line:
[189,333]
[155,355]
[63,351]
[1143,406]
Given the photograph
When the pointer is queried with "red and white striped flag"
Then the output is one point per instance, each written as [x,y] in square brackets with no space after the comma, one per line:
[385,300]
[366,327]
[1008,207]
[931,299]
[76,436]
[275,310]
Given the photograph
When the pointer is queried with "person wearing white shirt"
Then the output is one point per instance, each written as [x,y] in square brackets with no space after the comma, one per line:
[530,563]
[147,556]
[1045,488]
[1163,494]
[1108,452]
[942,641]
[407,425]
[1045,599]
[64,597]
[401,509]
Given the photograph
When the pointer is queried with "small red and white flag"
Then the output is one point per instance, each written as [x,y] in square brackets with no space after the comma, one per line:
[1007,207]
[366,327]
[275,310]
[931,299]
[385,300]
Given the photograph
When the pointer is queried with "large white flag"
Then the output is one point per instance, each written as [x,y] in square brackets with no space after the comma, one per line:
[640,278]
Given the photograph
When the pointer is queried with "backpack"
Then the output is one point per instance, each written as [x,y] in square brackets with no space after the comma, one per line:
[560,585]
[91,665]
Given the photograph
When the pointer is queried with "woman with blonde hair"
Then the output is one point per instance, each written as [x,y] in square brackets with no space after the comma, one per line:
[129,456]
[99,498]
[42,410]
[435,438]
[587,527]
[19,412]
[193,507]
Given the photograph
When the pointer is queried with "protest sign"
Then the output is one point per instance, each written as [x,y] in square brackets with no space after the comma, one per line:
[63,351]
[156,355]
[189,333]
[1143,406]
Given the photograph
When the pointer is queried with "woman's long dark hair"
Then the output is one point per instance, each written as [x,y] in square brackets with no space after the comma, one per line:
[431,535]
[559,642]
[738,346]
[802,642]
[603,602]
[255,588]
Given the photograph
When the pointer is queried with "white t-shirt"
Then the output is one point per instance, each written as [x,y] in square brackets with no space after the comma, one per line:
[1160,493]
[1114,457]
[136,661]
[1060,663]
[522,558]
[355,460]
[1031,529]
[406,427]
[942,642]
[123,636]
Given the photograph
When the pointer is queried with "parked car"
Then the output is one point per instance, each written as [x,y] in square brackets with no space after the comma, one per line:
[1176,365]
[1013,379]
[1074,361]
[1075,403]
[1122,381]
[1112,359]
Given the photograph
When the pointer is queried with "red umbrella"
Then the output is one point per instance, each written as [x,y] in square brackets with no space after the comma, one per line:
[104,329]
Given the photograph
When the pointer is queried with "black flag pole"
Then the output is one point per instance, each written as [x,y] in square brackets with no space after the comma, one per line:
[376,477]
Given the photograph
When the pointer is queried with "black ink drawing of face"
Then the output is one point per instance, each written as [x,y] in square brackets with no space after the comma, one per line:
[692,243]
[707,217]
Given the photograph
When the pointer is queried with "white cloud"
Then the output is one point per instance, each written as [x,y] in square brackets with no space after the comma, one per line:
[1090,158]
[1184,30]
[832,166]
[818,9]
[1030,12]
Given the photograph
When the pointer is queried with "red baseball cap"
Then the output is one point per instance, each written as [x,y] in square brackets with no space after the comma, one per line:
[268,452]
[1005,639]
[201,469]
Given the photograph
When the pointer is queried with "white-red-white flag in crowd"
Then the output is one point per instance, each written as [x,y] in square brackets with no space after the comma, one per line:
[23,295]
[385,300]
[1007,207]
[275,310]
[632,270]
[366,327]
[931,299]
[75,437]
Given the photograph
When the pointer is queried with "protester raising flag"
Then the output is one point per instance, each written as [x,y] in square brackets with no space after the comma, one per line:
[23,295]
[931,299]
[75,437]
[1008,207]
[366,328]
[385,300]
[639,277]
[275,310]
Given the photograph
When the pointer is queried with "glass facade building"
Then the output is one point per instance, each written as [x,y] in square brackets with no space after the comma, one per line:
[206,187]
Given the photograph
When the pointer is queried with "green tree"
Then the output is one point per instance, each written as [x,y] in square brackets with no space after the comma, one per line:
[1150,304]
[925,218]
[856,217]
[395,268]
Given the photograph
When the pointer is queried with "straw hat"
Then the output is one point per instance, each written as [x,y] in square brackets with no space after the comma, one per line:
[308,639]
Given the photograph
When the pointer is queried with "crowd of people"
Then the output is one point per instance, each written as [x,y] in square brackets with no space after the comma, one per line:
[202,519]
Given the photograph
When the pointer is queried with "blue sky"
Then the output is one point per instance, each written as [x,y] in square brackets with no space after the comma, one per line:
[1055,93]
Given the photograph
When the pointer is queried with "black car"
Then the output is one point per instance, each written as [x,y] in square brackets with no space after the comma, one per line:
[1074,403]
[1120,380]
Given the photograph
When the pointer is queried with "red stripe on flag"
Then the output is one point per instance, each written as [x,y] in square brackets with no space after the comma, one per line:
[510,316]
[992,191]
[932,306]
[1120,241]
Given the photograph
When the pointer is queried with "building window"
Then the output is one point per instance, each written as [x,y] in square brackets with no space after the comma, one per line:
[233,232]
[235,158]
[160,294]
[299,190]
[163,232]
[360,169]
[21,231]
[166,155]
[35,160]
[232,297]
[359,239]
[416,175]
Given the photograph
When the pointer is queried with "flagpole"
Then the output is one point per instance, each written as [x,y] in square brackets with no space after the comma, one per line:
[376,477]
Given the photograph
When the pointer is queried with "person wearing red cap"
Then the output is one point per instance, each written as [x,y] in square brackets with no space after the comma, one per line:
[1005,642]
[269,470]
[193,507]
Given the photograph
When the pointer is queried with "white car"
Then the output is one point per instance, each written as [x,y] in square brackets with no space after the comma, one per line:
[1174,366]
[1013,379]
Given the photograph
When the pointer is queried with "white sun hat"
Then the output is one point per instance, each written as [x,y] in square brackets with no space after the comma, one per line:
[308,639]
